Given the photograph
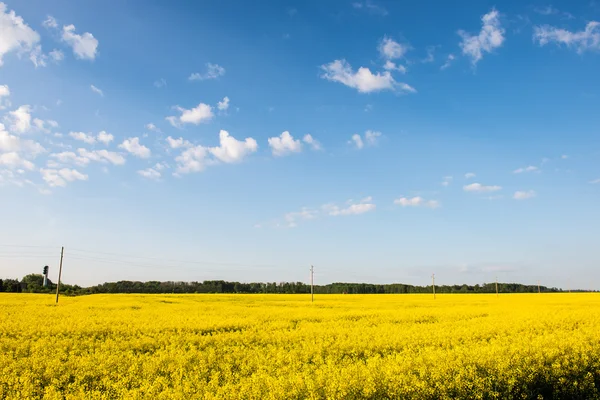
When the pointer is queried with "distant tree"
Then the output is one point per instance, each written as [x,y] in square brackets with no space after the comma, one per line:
[33,283]
[12,285]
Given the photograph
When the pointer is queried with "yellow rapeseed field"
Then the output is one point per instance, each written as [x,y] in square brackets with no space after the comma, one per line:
[528,346]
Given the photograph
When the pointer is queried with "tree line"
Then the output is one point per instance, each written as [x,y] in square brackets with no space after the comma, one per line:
[33,283]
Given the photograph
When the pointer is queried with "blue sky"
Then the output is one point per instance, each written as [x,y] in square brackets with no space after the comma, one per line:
[379,141]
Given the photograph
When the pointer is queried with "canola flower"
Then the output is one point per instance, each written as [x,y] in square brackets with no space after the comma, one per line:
[515,346]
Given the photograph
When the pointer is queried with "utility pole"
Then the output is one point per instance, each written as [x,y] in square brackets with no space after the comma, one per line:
[312,292]
[433,284]
[62,252]
[496,286]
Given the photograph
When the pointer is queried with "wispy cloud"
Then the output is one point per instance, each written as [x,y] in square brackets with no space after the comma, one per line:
[489,38]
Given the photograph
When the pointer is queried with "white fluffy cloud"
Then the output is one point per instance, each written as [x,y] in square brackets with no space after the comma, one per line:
[284,144]
[479,188]
[15,34]
[391,50]
[416,201]
[177,143]
[55,178]
[213,71]
[69,157]
[83,137]
[370,139]
[362,80]
[96,90]
[364,206]
[50,22]
[11,143]
[4,95]
[490,37]
[133,146]
[150,173]
[530,168]
[14,160]
[524,195]
[391,66]
[312,142]
[102,156]
[105,137]
[84,46]
[230,150]
[581,41]
[19,120]
[197,115]
[152,127]
[224,104]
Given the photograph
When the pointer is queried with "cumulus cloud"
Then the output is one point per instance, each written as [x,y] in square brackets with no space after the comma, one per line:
[224,104]
[391,50]
[284,144]
[14,160]
[197,115]
[416,201]
[213,71]
[4,95]
[50,22]
[490,37]
[479,188]
[59,178]
[524,195]
[364,206]
[152,127]
[177,143]
[150,173]
[312,142]
[362,80]
[11,143]
[530,168]
[16,36]
[391,66]
[83,137]
[102,156]
[370,139]
[230,150]
[581,41]
[133,146]
[19,120]
[105,137]
[85,47]
[68,157]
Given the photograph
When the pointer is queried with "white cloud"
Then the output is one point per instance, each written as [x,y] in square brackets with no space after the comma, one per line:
[523,195]
[105,137]
[362,207]
[150,173]
[362,80]
[581,41]
[479,188]
[84,46]
[530,168]
[14,160]
[213,71]
[201,113]
[370,7]
[19,120]
[4,94]
[102,156]
[223,105]
[305,213]
[416,201]
[370,139]
[447,180]
[232,150]
[448,62]
[133,146]
[96,90]
[37,57]
[312,142]
[52,123]
[284,144]
[69,157]
[159,83]
[83,137]
[357,141]
[15,34]
[469,175]
[490,37]
[177,143]
[152,127]
[10,143]
[391,50]
[50,22]
[391,66]
[55,178]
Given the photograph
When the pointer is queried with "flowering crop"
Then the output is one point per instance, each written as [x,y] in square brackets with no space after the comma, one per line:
[515,346]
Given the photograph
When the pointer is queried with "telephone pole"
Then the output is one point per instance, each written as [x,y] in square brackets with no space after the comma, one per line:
[496,286]
[62,252]
[312,292]
[433,284]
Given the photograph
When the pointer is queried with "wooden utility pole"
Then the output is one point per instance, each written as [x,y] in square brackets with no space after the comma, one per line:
[496,286]
[433,284]
[312,292]
[62,252]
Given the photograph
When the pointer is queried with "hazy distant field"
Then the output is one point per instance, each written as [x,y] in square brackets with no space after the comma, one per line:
[282,346]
